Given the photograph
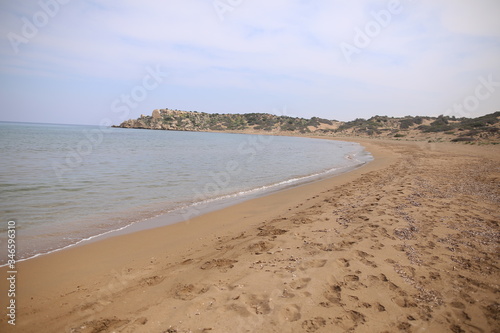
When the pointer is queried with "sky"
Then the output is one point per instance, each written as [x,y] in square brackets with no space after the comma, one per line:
[94,62]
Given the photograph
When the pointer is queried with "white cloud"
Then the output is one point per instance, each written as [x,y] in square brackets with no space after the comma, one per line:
[472,17]
[428,56]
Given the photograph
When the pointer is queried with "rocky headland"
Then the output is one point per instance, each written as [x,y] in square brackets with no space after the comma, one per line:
[485,129]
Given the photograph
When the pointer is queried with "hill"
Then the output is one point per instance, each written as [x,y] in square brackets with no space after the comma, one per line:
[442,128]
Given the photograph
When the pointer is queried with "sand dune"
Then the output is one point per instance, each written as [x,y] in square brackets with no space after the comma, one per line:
[408,243]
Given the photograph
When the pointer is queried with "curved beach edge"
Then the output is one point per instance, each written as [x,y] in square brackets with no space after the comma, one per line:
[385,245]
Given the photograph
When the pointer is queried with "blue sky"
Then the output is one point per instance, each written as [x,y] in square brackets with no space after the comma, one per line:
[76,61]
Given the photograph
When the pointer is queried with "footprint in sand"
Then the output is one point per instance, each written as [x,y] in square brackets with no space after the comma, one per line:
[301,220]
[352,282]
[258,304]
[340,246]
[363,258]
[141,321]
[239,309]
[343,262]
[333,295]
[290,313]
[312,325]
[382,281]
[458,305]
[300,283]
[350,320]
[377,245]
[151,281]
[357,317]
[222,264]
[187,292]
[270,231]
[403,302]
[260,247]
[101,325]
[404,326]
[315,263]
[287,294]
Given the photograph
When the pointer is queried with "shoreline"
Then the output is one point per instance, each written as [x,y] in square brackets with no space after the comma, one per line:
[207,248]
[177,214]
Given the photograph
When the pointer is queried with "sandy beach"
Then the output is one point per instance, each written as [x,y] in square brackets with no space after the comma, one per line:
[406,243]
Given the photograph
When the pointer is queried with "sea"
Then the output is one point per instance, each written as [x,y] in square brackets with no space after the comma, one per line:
[64,185]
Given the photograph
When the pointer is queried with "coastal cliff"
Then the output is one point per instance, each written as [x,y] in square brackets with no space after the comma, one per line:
[442,128]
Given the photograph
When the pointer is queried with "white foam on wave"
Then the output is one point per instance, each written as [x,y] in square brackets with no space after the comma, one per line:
[352,157]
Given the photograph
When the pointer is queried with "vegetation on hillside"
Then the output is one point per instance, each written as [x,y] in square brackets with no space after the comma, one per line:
[443,127]
[200,121]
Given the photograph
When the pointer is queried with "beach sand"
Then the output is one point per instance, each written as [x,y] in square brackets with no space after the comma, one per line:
[407,243]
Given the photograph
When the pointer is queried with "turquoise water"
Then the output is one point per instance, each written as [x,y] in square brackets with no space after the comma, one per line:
[65,183]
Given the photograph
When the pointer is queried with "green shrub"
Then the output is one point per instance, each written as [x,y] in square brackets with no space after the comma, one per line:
[463,139]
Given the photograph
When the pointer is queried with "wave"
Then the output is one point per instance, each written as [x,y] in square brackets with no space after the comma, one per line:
[356,161]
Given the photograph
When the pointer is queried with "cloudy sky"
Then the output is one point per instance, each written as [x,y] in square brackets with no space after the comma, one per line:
[82,61]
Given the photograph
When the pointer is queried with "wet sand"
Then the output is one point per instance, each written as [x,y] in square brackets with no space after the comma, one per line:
[407,243]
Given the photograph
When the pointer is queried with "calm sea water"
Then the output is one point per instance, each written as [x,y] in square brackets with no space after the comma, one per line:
[62,184]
